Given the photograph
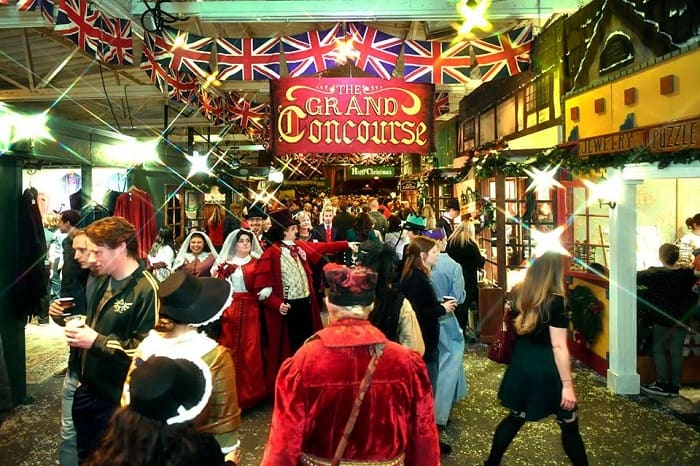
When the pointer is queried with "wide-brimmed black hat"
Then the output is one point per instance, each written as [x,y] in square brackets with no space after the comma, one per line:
[256,211]
[169,390]
[191,300]
[350,286]
[282,218]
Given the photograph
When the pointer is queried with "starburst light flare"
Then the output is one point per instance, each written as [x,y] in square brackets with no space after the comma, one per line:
[549,241]
[542,180]
[198,164]
[345,50]
[474,14]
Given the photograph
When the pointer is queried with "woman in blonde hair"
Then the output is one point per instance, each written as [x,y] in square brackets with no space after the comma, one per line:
[462,248]
[538,381]
[428,213]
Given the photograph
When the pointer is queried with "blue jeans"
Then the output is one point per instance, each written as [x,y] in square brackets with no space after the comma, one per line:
[68,451]
[91,416]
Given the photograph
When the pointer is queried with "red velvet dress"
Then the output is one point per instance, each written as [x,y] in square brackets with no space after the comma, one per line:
[241,334]
[316,389]
[269,273]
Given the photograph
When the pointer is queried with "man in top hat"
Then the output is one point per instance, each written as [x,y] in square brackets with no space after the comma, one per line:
[285,279]
[255,216]
[449,218]
[319,389]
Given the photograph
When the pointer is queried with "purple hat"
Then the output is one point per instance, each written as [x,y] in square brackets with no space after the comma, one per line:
[350,286]
[436,233]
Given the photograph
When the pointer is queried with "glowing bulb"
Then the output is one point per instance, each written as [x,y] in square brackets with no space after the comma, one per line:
[542,180]
[474,14]
[549,241]
[198,164]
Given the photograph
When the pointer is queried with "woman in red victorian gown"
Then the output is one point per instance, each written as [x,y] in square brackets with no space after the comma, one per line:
[240,323]
[284,279]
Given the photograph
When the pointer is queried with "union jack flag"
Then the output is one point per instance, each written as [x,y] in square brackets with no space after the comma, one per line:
[245,112]
[30,5]
[311,52]
[183,51]
[248,59]
[182,87]
[378,52]
[156,70]
[213,107]
[436,62]
[80,23]
[504,54]
[117,47]
[442,103]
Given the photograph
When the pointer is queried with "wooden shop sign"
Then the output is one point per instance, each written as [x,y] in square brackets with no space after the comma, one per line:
[358,171]
[347,115]
[675,136]
[408,185]
[610,143]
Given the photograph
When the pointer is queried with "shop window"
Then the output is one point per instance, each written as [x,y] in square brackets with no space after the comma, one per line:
[467,135]
[524,211]
[587,237]
[538,93]
[617,53]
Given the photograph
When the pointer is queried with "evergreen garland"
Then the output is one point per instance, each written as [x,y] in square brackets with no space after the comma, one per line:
[585,312]
[497,162]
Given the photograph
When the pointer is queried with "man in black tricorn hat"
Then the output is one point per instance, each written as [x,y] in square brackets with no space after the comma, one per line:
[351,394]
[255,216]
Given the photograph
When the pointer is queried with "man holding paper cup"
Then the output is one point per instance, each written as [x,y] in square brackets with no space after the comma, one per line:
[121,309]
[61,310]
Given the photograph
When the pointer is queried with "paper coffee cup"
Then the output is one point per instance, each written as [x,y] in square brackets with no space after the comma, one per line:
[66,303]
[75,321]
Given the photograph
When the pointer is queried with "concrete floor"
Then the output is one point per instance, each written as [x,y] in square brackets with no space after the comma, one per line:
[617,430]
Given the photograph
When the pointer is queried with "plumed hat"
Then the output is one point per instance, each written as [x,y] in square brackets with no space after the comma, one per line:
[192,300]
[169,390]
[452,204]
[436,233]
[414,223]
[282,218]
[350,286]
[256,211]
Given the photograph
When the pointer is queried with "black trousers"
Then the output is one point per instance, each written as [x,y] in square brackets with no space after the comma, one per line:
[299,322]
[91,417]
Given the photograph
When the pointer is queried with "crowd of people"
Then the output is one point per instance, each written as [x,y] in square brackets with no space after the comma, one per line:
[170,351]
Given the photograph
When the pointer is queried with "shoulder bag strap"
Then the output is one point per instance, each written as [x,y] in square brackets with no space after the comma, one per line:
[364,385]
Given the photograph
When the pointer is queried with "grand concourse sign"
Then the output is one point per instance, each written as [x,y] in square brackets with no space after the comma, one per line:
[347,115]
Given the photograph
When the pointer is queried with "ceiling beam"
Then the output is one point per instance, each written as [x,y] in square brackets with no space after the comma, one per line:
[13,82]
[79,93]
[57,69]
[28,58]
[10,18]
[284,11]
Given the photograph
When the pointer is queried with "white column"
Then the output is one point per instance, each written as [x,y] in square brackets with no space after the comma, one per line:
[622,374]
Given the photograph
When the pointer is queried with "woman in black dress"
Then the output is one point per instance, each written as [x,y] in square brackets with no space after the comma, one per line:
[538,381]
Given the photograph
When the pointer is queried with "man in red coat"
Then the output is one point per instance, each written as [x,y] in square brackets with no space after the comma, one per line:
[317,390]
[285,283]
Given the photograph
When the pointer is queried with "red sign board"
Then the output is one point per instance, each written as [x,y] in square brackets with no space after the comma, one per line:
[346,115]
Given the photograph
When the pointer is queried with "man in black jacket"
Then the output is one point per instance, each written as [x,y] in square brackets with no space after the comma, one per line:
[121,309]
[672,302]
